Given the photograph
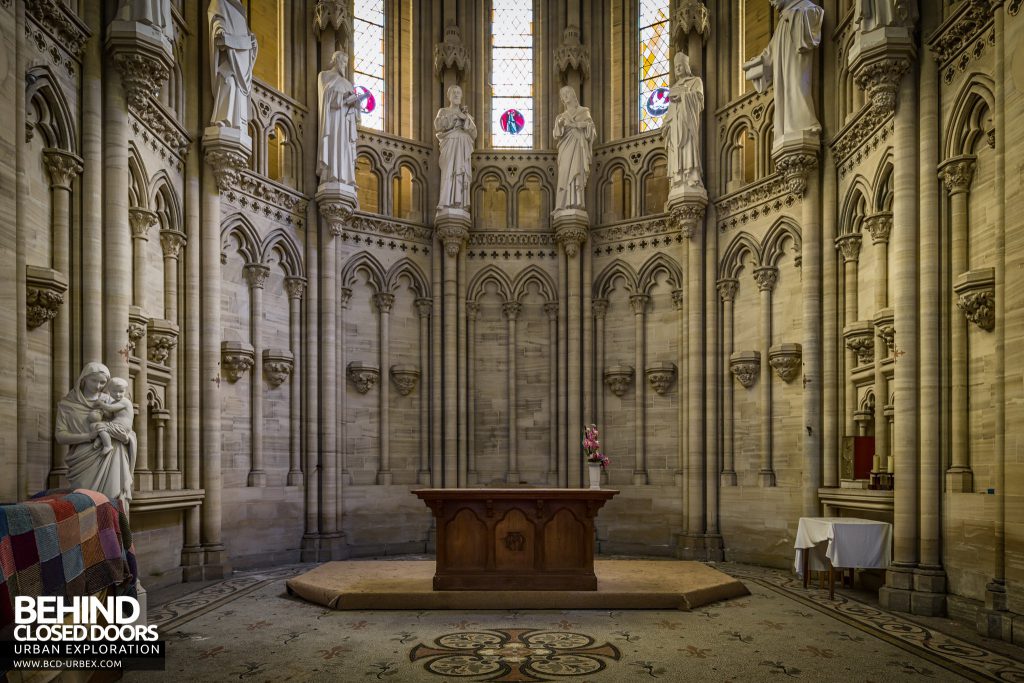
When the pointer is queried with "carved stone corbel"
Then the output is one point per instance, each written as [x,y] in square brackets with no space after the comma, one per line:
[859,338]
[144,57]
[795,167]
[661,375]
[362,375]
[277,366]
[618,378]
[236,358]
[691,16]
[163,338]
[572,54]
[785,360]
[451,53]
[332,14]
[745,366]
[44,295]
[405,378]
[884,328]
[976,297]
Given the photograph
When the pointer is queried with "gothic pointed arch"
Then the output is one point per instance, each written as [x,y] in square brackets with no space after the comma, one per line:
[615,270]
[366,264]
[659,263]
[47,110]
[406,267]
[534,274]
[281,244]
[239,228]
[490,273]
[971,116]
[742,245]
[782,231]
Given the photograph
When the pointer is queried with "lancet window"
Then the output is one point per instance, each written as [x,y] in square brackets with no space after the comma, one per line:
[512,73]
[368,43]
[655,32]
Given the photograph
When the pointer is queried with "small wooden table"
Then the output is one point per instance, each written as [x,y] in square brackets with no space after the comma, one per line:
[515,539]
[852,543]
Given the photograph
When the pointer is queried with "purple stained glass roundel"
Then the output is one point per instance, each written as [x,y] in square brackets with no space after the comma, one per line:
[368,104]
[657,103]
[512,121]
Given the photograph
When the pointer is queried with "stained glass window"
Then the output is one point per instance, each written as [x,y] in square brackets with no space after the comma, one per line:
[654,63]
[368,26]
[512,73]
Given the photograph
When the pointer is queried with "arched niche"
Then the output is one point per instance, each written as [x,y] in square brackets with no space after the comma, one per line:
[617,195]
[493,203]
[532,203]
[406,194]
[367,184]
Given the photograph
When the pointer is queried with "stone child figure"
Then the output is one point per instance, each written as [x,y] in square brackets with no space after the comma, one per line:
[456,132]
[233,51]
[90,465]
[786,62]
[339,116]
[120,411]
[574,132]
[681,129]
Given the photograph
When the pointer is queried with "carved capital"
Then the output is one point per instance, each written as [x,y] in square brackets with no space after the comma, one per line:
[745,366]
[451,53]
[138,325]
[333,14]
[277,366]
[572,54]
[295,287]
[405,377]
[163,339]
[384,301]
[887,333]
[618,378]
[363,376]
[141,220]
[472,310]
[236,359]
[598,306]
[511,309]
[661,376]
[425,305]
[879,226]
[691,16]
[172,242]
[551,308]
[976,297]
[344,296]
[785,360]
[142,76]
[638,302]
[62,167]
[848,245]
[256,275]
[957,173]
[766,278]
[795,168]
[880,79]
[727,288]
[44,295]
[679,298]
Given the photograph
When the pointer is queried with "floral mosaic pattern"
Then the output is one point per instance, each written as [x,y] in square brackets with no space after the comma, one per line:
[514,654]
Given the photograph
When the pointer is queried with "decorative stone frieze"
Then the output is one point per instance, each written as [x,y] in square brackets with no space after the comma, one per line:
[761,198]
[957,173]
[859,338]
[236,358]
[451,53]
[332,14]
[884,328]
[745,366]
[618,378]
[363,375]
[63,167]
[848,245]
[959,29]
[59,21]
[277,366]
[766,278]
[141,220]
[661,375]
[44,295]
[163,338]
[976,297]
[727,288]
[138,326]
[785,360]
[691,16]
[869,129]
[879,226]
[572,54]
[405,378]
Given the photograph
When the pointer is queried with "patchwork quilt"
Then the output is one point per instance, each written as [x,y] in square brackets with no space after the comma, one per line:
[64,542]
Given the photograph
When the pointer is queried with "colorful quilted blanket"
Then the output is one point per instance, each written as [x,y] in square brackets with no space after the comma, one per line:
[64,542]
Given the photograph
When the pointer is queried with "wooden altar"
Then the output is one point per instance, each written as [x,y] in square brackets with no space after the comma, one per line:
[515,539]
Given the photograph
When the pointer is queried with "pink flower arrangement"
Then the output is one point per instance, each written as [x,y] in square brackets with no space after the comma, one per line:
[592,447]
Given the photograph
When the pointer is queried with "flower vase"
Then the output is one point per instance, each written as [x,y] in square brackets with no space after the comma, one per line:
[595,475]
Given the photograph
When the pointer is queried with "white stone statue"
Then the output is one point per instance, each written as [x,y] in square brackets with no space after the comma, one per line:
[456,132]
[153,13]
[872,14]
[574,132]
[339,116]
[786,62]
[232,57]
[681,128]
[97,428]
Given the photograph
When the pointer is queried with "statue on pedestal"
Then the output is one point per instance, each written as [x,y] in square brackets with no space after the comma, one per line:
[456,132]
[787,62]
[339,116]
[233,51]
[681,128]
[96,462]
[574,132]
[153,13]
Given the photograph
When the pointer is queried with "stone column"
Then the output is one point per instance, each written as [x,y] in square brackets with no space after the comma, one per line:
[385,301]
[464,396]
[192,336]
[62,167]
[256,276]
[571,233]
[423,308]
[472,312]
[639,303]
[849,246]
[117,234]
[295,287]
[172,242]
[810,293]
[880,226]
[138,347]
[92,101]
[342,473]
[551,308]
[682,422]
[727,292]
[766,277]
[957,175]
[452,227]
[511,309]
[830,373]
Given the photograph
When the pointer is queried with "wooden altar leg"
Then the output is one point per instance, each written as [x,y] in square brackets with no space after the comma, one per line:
[831,582]
[807,567]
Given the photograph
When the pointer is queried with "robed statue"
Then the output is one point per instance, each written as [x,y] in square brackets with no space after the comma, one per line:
[787,62]
[574,132]
[232,57]
[681,128]
[339,116]
[456,132]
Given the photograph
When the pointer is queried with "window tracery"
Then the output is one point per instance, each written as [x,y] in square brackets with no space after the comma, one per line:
[655,32]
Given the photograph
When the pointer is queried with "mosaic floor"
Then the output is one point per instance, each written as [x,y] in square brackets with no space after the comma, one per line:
[247,628]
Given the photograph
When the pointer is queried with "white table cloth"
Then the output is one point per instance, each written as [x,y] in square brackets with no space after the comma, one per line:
[852,542]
